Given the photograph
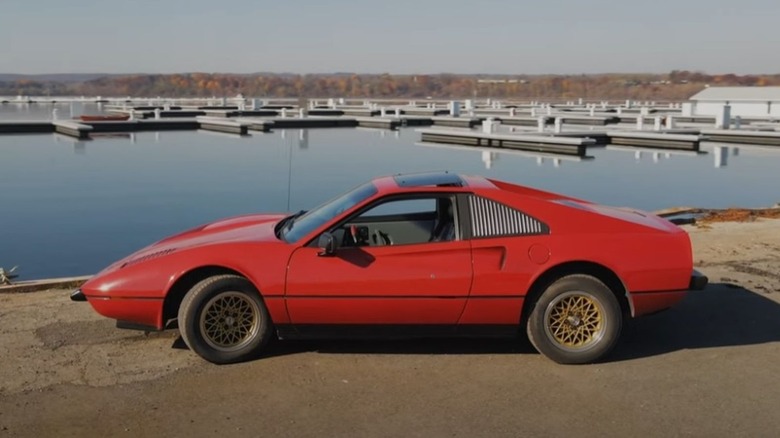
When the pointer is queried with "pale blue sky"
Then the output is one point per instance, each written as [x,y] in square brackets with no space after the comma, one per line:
[395,36]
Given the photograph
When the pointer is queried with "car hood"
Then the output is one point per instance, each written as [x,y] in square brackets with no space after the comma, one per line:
[254,228]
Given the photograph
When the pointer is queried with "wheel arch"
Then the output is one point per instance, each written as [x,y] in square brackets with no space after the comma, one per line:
[184,283]
[597,270]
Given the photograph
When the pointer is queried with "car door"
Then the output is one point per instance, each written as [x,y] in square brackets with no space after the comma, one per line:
[394,272]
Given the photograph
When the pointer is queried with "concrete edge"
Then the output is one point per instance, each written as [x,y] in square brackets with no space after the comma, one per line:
[43,285]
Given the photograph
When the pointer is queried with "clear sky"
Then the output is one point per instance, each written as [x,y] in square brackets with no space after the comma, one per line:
[394,36]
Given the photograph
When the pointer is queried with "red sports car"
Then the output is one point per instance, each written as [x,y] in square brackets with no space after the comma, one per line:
[420,255]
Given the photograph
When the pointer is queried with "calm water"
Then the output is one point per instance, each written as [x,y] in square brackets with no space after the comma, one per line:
[71,208]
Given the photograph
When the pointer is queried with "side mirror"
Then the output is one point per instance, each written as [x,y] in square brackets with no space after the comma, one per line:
[327,244]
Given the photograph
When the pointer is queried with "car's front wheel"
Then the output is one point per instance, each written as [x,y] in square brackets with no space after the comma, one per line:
[224,320]
[577,319]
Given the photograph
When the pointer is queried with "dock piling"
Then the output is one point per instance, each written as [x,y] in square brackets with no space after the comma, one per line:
[723,118]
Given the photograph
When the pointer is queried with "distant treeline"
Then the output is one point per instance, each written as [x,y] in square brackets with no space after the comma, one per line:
[676,85]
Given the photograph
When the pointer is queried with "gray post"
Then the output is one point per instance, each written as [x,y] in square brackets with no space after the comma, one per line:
[488,126]
[723,118]
[455,108]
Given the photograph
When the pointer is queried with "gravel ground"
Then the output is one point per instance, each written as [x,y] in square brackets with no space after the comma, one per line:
[706,368]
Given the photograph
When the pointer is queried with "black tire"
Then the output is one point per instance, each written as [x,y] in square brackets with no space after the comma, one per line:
[576,320]
[224,320]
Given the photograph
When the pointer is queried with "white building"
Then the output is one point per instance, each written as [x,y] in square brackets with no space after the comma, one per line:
[744,101]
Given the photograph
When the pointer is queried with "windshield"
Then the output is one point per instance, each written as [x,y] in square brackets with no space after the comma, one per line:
[301,226]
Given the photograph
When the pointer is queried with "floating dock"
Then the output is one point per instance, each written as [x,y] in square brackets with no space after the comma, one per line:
[525,142]
[489,154]
[313,122]
[26,127]
[174,124]
[525,121]
[588,120]
[456,122]
[656,139]
[226,126]
[73,129]
[763,138]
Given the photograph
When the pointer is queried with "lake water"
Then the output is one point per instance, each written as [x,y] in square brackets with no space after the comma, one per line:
[69,207]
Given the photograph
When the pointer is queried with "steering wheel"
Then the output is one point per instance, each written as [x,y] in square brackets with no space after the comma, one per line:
[381,238]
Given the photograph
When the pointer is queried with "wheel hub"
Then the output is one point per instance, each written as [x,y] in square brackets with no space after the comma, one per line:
[574,320]
[229,321]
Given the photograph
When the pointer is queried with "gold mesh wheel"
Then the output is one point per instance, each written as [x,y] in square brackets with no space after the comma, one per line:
[229,321]
[575,321]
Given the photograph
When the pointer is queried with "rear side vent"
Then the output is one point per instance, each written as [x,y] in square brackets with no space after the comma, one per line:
[492,219]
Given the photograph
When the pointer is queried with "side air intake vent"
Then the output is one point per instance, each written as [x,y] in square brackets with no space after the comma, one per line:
[491,219]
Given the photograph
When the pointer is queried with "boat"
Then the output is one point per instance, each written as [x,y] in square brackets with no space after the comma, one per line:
[103,117]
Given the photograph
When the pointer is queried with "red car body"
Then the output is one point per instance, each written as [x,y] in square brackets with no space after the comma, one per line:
[478,281]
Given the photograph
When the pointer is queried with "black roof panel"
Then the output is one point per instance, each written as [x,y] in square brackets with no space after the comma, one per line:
[435,179]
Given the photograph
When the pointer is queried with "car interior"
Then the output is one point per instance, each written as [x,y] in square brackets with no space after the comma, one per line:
[401,221]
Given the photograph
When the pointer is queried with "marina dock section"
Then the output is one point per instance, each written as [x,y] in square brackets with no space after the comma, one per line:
[567,128]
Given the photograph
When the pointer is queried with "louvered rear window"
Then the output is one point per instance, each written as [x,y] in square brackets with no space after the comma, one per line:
[491,219]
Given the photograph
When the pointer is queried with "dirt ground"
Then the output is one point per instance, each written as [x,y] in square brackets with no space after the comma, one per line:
[706,368]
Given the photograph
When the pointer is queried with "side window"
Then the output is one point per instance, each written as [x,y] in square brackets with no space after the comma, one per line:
[403,221]
[403,207]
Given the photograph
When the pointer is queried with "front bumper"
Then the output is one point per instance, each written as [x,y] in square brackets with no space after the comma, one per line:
[698,281]
[78,295]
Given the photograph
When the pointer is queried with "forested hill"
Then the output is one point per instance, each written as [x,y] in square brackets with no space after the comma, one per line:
[676,85]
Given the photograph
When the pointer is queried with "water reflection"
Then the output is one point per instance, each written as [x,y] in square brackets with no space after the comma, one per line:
[721,156]
[722,152]
[72,206]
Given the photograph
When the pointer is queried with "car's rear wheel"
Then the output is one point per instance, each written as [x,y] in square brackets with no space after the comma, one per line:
[577,319]
[224,320]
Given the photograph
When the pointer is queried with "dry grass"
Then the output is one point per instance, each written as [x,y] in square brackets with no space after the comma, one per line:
[738,215]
